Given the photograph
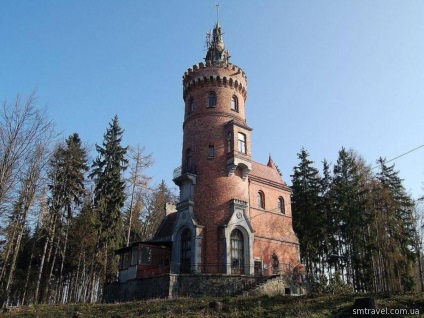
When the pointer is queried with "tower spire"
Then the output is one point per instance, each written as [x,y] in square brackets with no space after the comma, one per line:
[215,44]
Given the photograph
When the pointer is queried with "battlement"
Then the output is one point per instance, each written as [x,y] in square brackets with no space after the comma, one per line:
[221,74]
[229,66]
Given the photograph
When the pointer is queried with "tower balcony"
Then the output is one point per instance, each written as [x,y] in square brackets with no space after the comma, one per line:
[185,173]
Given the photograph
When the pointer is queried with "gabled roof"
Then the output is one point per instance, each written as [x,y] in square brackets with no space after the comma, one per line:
[267,172]
[164,233]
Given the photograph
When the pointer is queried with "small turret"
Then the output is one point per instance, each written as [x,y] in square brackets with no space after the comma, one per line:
[271,162]
[216,48]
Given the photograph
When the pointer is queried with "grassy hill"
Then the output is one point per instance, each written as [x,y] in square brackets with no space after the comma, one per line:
[277,306]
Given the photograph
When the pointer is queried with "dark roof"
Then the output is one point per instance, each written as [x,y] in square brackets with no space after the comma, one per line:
[265,172]
[164,233]
[162,238]
[143,243]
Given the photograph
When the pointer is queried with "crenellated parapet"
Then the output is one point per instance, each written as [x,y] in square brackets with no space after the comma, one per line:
[217,74]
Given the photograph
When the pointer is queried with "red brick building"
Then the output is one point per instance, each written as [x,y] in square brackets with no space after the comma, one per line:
[234,215]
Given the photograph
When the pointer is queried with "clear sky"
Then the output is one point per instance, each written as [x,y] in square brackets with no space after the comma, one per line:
[321,74]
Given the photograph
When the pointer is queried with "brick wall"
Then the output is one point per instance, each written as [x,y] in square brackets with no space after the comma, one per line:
[204,127]
[273,229]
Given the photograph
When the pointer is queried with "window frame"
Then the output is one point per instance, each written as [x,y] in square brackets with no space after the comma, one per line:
[281,205]
[234,103]
[242,143]
[212,100]
[260,199]
[190,105]
[211,152]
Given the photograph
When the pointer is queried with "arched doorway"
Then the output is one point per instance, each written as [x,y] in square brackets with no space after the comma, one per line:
[237,252]
[185,261]
[275,264]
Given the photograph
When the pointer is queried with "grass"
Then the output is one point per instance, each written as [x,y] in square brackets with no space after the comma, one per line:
[277,306]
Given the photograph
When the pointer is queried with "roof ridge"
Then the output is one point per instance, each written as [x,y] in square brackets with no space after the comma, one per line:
[270,174]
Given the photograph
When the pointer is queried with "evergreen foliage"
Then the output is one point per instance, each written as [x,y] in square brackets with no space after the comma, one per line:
[307,215]
[354,223]
[109,195]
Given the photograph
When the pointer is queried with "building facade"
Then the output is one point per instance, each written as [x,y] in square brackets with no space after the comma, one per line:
[234,215]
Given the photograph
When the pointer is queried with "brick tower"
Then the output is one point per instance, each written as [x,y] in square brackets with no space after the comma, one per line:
[213,230]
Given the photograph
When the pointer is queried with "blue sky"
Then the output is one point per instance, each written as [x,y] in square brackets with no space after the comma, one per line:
[321,74]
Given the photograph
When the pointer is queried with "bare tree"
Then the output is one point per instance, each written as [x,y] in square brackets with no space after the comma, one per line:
[137,181]
[22,127]
[153,211]
[25,134]
[27,194]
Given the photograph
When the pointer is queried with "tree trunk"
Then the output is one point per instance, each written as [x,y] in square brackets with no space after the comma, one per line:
[49,279]
[60,283]
[49,240]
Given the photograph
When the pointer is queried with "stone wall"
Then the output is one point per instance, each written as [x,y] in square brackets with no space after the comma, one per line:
[137,289]
[173,285]
[192,285]
[211,285]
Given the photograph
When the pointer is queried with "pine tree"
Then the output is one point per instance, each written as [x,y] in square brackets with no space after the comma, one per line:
[109,196]
[83,243]
[66,184]
[307,216]
[398,207]
[346,212]
[325,208]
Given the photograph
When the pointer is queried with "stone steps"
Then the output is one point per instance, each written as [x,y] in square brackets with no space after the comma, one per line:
[244,291]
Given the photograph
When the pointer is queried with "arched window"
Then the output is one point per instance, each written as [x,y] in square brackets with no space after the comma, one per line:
[241,143]
[212,99]
[237,252]
[191,105]
[261,200]
[185,251]
[234,103]
[281,205]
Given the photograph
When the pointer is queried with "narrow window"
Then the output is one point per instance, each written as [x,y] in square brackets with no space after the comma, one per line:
[212,99]
[281,205]
[189,163]
[211,151]
[241,143]
[234,103]
[261,200]
[126,260]
[185,251]
[229,142]
[237,251]
[134,255]
[191,105]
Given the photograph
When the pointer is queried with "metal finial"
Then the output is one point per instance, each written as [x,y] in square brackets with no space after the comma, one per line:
[217,12]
